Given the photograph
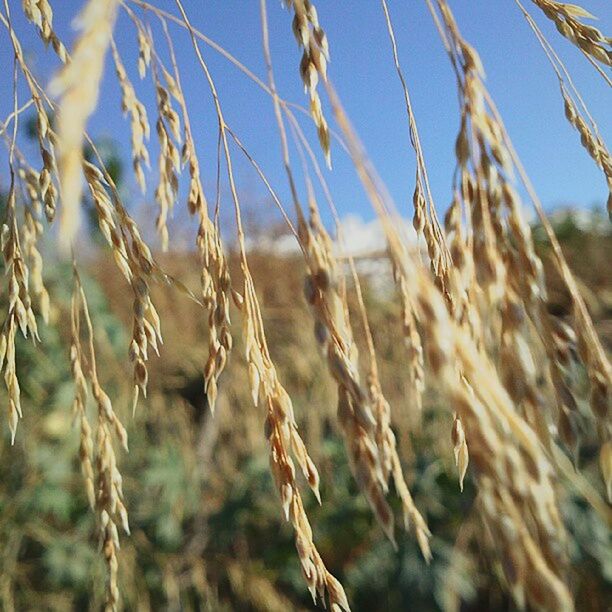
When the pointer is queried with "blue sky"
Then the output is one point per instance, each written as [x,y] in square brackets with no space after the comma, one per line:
[518,76]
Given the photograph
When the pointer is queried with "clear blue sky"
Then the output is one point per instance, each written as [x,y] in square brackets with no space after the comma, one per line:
[519,79]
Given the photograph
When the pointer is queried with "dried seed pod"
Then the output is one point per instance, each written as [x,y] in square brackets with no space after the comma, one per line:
[460,449]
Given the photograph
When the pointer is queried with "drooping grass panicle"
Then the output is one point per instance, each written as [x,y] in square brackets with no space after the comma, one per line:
[486,411]
[284,441]
[576,113]
[514,241]
[139,122]
[363,412]
[215,279]
[103,481]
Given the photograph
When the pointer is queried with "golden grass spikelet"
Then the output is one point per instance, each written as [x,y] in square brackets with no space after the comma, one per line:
[592,142]
[460,449]
[40,13]
[135,261]
[216,291]
[462,280]
[31,233]
[529,578]
[522,474]
[567,19]
[425,219]
[144,53]
[80,397]
[363,412]
[146,331]
[589,135]
[19,309]
[312,39]
[77,84]
[412,338]
[168,132]
[139,123]
[46,139]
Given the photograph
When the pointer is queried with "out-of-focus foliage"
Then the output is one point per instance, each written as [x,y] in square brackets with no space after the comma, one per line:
[206,528]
